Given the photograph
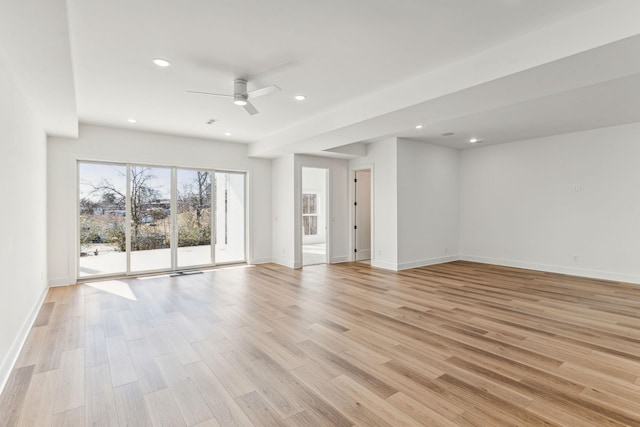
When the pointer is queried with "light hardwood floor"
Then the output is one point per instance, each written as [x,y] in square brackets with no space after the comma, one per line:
[337,345]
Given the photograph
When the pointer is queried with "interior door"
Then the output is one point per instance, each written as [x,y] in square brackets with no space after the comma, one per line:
[363,214]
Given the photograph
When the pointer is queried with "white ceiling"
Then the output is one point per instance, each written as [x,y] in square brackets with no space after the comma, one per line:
[499,69]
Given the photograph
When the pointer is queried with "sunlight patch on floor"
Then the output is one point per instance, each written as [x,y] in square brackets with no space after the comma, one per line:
[115,287]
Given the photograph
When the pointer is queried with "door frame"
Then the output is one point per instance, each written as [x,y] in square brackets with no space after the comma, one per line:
[327,214]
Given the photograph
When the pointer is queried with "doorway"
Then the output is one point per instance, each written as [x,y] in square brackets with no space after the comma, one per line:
[362,215]
[314,216]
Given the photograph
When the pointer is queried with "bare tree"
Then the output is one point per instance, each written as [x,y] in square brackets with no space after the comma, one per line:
[194,206]
[143,196]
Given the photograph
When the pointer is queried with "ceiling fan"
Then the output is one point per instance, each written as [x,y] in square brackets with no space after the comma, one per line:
[241,96]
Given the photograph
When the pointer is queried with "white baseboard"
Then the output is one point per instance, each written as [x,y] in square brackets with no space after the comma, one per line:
[384,264]
[284,262]
[425,262]
[573,271]
[264,260]
[14,351]
[339,259]
[62,281]
[413,264]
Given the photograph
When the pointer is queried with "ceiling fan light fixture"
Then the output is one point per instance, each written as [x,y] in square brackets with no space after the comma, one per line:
[240,99]
[299,97]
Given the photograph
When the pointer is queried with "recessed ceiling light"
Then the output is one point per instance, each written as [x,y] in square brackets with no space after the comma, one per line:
[227,133]
[131,120]
[448,134]
[161,62]
[300,97]
[419,127]
[475,141]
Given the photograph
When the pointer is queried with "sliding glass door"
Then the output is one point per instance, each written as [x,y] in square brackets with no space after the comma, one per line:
[139,218]
[150,218]
[194,219]
[102,211]
[230,218]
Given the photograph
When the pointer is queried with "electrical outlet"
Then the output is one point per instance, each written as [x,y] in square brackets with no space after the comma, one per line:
[446,249]
[576,258]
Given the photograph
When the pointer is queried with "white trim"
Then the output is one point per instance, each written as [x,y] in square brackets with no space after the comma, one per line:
[384,265]
[264,260]
[581,272]
[285,262]
[14,351]
[63,281]
[339,259]
[426,262]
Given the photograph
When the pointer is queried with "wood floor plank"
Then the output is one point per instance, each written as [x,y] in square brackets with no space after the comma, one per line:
[163,409]
[419,412]
[14,394]
[130,406]
[100,407]
[146,369]
[70,418]
[224,408]
[233,380]
[120,363]
[192,405]
[32,347]
[71,386]
[38,404]
[260,413]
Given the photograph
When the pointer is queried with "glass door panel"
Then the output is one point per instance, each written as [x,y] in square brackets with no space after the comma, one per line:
[151,222]
[102,189]
[230,217]
[193,217]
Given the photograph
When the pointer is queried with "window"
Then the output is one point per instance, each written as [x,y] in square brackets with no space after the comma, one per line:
[310,214]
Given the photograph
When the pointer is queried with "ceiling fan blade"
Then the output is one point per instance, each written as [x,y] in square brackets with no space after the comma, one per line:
[263,91]
[211,94]
[250,108]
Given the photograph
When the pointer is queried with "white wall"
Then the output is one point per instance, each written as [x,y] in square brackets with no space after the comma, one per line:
[314,181]
[540,203]
[382,159]
[427,204]
[338,198]
[23,221]
[121,145]
[282,179]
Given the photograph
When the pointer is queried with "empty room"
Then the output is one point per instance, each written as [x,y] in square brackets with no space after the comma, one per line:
[320,213]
